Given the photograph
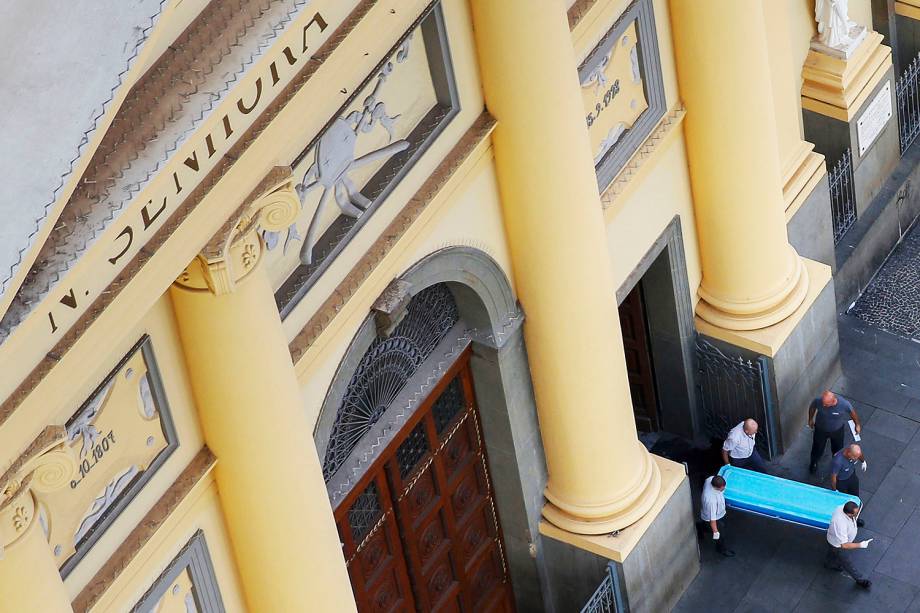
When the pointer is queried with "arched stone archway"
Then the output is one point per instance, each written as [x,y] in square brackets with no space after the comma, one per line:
[490,322]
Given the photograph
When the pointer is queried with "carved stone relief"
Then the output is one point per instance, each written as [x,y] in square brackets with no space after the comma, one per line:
[239,245]
[118,438]
[622,90]
[44,467]
[361,155]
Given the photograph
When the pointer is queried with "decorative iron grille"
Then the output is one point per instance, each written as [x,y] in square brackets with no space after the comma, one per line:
[907,92]
[732,389]
[385,368]
[843,195]
[607,597]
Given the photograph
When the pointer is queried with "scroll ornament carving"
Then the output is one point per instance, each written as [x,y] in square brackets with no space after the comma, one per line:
[47,465]
[236,250]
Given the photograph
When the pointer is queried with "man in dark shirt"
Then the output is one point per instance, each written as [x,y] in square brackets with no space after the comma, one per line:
[828,416]
[843,471]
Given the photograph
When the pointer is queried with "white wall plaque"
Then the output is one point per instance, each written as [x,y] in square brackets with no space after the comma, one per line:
[875,117]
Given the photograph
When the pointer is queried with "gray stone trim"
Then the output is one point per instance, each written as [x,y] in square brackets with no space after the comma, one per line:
[642,12]
[158,393]
[334,240]
[195,557]
[476,281]
[671,238]
[490,323]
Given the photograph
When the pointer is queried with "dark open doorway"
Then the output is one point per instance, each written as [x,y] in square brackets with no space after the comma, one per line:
[656,317]
[634,325]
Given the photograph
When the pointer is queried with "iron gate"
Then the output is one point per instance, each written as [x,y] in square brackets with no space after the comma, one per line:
[843,195]
[607,598]
[907,92]
[732,389]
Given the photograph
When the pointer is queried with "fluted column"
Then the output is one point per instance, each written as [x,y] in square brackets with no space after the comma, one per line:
[752,277]
[29,576]
[251,411]
[600,477]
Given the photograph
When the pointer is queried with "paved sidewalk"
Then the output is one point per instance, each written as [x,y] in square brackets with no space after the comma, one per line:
[779,566]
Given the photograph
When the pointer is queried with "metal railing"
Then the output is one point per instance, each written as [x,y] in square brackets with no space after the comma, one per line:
[843,195]
[907,92]
[607,598]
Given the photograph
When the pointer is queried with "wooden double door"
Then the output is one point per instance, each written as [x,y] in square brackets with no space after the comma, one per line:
[420,531]
[636,348]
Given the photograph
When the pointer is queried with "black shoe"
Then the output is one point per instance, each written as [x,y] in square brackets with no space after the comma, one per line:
[728,553]
[833,568]
[864,584]
[812,469]
[860,523]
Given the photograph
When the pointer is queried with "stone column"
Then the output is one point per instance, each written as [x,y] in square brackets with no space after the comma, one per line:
[798,162]
[600,477]
[752,277]
[251,411]
[29,577]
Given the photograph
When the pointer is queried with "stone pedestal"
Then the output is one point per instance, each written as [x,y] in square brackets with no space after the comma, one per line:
[801,354]
[850,104]
[655,560]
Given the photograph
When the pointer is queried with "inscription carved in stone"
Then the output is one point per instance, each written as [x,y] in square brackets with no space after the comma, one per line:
[116,438]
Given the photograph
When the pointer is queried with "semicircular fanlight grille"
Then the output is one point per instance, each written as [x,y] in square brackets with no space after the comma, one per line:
[384,369]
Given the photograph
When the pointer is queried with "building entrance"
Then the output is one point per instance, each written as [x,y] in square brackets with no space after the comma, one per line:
[634,326]
[420,531]
[659,342]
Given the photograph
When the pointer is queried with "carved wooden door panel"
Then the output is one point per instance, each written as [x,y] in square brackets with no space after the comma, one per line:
[445,507]
[639,361]
[420,531]
[373,551]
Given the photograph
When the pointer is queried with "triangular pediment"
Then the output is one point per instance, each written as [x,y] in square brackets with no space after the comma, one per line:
[66,69]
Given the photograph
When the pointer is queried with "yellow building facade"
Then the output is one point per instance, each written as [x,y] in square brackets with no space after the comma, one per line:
[384,304]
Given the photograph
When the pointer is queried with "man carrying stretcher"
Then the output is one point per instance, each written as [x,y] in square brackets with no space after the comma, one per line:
[840,536]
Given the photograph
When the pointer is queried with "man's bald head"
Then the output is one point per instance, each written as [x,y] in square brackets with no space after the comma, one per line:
[828,398]
[750,427]
[853,452]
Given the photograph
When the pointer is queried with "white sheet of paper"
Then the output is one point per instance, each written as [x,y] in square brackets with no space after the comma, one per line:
[856,437]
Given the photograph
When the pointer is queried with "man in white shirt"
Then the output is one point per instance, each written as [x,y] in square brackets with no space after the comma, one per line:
[739,449]
[712,512]
[840,536]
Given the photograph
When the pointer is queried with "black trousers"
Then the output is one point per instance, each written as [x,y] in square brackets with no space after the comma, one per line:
[706,533]
[850,485]
[819,442]
[838,558]
[752,462]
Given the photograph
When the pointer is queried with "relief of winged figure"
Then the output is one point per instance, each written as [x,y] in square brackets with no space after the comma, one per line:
[335,159]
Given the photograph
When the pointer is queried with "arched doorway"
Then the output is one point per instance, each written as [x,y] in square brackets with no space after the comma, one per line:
[408,470]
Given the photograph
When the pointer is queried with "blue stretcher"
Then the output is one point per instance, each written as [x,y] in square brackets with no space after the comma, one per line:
[792,501]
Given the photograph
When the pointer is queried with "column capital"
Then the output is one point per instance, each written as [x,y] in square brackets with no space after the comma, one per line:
[236,249]
[45,466]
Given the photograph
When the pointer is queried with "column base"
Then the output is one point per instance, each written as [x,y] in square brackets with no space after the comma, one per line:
[582,519]
[800,357]
[734,316]
[656,558]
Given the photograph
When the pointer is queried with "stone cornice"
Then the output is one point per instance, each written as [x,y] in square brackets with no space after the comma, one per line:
[133,267]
